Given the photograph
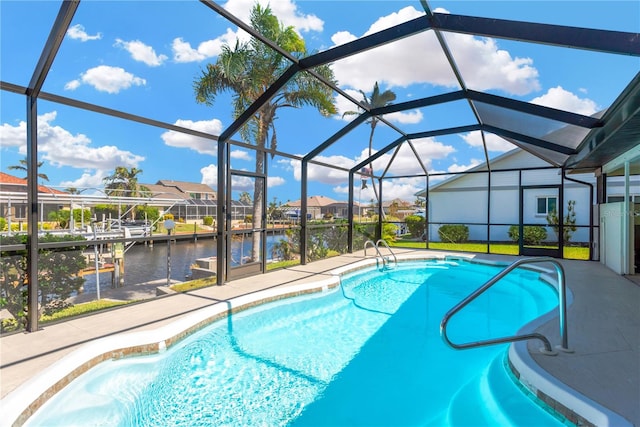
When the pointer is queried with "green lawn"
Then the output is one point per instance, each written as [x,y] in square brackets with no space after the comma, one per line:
[570,252]
[84,308]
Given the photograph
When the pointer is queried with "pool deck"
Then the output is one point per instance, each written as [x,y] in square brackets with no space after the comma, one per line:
[603,329]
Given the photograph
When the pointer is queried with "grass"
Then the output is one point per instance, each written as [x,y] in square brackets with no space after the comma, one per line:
[570,252]
[194,284]
[282,264]
[183,228]
[84,308]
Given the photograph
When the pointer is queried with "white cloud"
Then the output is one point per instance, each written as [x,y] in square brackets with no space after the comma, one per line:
[105,78]
[88,181]
[275,181]
[141,52]
[405,162]
[72,85]
[240,155]
[405,117]
[200,145]
[494,142]
[562,99]
[461,168]
[210,175]
[77,32]
[404,189]
[342,37]
[242,183]
[483,65]
[60,147]
[183,52]
[320,173]
[286,11]
[14,136]
[428,149]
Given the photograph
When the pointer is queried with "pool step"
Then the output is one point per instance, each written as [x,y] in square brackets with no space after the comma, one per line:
[492,399]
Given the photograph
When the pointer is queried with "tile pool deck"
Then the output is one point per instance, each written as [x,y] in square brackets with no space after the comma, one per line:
[603,320]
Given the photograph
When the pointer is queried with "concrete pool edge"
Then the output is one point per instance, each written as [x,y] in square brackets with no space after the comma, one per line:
[22,402]
[25,400]
[564,400]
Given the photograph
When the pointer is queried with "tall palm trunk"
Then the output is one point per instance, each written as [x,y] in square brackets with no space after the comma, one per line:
[373,184]
[258,202]
[264,118]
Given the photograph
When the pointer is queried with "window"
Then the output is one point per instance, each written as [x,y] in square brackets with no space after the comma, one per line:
[614,199]
[546,205]
[20,212]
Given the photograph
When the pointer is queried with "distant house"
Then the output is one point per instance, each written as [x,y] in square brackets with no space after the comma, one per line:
[190,190]
[318,207]
[398,208]
[13,198]
[197,200]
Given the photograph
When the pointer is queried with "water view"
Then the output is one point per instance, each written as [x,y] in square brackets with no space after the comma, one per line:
[146,263]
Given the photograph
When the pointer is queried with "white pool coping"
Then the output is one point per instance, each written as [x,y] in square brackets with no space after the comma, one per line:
[22,402]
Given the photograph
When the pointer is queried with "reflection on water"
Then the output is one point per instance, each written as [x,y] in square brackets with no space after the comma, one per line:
[146,263]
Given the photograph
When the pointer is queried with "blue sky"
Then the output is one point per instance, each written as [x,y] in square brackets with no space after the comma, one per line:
[142,57]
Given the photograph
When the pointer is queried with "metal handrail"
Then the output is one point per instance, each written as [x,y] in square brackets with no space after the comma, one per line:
[375,246]
[384,242]
[562,307]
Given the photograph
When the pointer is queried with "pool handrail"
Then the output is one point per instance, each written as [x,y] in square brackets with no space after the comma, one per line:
[375,246]
[386,245]
[562,307]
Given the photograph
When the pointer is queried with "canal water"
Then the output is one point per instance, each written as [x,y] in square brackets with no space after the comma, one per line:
[147,263]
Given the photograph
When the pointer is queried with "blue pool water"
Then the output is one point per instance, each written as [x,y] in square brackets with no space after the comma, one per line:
[368,353]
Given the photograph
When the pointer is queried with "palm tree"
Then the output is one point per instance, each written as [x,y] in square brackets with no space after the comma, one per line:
[23,167]
[247,69]
[376,100]
[124,183]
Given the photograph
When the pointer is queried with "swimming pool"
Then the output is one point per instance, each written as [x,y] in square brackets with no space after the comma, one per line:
[366,353]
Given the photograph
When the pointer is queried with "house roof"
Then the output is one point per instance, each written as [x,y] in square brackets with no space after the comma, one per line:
[7,180]
[495,163]
[164,192]
[401,203]
[170,189]
[186,187]
[314,202]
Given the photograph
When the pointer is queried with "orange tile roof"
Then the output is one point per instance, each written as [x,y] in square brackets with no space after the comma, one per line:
[5,178]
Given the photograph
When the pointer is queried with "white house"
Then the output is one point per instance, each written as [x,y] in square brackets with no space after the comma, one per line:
[516,176]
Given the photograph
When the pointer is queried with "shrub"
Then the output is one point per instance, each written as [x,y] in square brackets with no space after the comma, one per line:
[207,220]
[454,233]
[57,273]
[55,306]
[569,226]
[533,234]
[415,224]
[168,216]
[3,224]
[389,232]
